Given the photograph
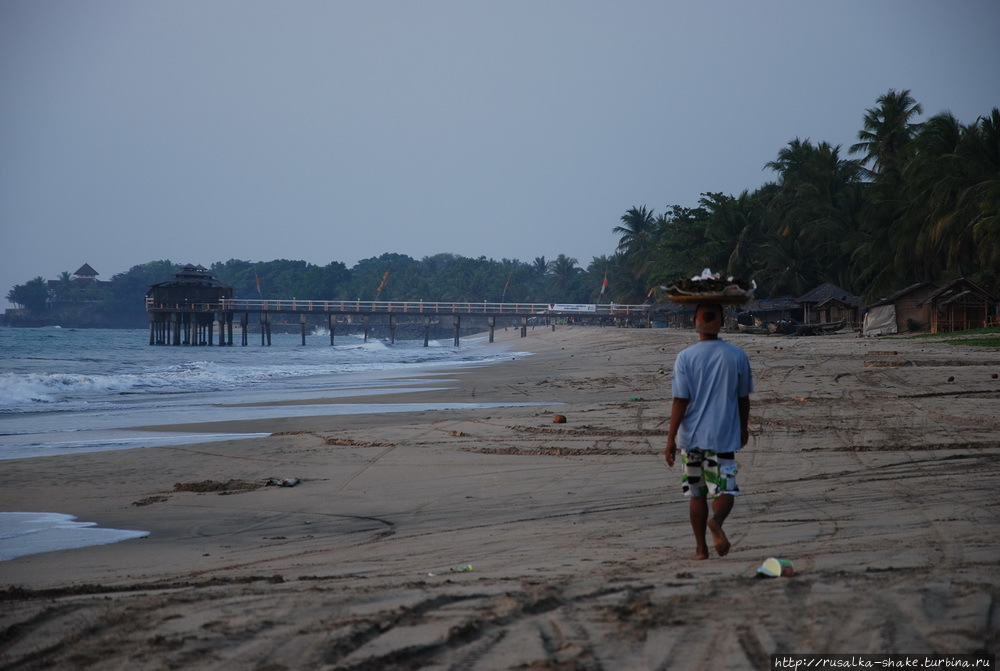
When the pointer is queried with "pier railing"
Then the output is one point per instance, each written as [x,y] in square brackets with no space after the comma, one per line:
[300,306]
[190,323]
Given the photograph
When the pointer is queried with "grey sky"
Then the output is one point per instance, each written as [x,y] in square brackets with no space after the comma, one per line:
[200,131]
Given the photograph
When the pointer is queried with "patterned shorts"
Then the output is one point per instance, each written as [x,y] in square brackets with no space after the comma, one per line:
[708,473]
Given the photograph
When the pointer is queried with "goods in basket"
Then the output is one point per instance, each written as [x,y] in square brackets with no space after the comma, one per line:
[710,287]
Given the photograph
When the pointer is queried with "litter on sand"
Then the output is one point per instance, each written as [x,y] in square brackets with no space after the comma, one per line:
[282,482]
[776,568]
[457,569]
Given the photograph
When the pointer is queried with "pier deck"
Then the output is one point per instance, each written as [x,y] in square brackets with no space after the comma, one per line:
[192,323]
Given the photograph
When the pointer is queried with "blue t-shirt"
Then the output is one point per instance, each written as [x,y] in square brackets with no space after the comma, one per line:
[712,375]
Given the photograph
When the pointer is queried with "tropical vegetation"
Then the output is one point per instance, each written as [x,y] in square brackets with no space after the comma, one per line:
[911,201]
[919,202]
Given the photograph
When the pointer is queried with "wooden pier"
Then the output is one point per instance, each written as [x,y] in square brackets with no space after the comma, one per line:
[185,309]
[189,322]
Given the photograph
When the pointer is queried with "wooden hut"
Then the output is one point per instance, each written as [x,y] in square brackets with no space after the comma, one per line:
[960,305]
[828,304]
[761,311]
[671,314]
[182,310]
[905,310]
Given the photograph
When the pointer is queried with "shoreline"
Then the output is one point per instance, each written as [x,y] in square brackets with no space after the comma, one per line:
[857,470]
[155,421]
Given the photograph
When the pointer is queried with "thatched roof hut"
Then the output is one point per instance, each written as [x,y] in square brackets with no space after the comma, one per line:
[190,285]
[960,305]
[829,303]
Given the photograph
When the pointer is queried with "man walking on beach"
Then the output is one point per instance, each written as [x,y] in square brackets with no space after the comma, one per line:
[709,424]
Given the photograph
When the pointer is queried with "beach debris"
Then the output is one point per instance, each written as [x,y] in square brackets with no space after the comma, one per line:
[458,569]
[149,500]
[347,442]
[776,568]
[558,419]
[217,486]
[282,482]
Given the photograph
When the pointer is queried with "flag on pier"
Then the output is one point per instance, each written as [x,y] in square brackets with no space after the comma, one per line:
[385,278]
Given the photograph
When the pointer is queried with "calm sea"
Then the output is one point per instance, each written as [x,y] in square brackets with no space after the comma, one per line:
[78,390]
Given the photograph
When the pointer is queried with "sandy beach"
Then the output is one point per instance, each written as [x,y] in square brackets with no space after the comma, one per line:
[496,539]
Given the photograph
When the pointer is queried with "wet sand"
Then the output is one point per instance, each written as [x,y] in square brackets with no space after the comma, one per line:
[873,465]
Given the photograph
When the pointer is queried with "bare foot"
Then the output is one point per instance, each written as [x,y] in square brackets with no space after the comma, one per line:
[719,539]
[700,556]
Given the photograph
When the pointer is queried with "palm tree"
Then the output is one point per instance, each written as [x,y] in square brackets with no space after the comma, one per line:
[953,183]
[681,245]
[599,269]
[887,131]
[930,185]
[33,295]
[982,150]
[785,267]
[563,271]
[817,203]
[637,239]
[886,144]
[64,288]
[734,229]
[624,286]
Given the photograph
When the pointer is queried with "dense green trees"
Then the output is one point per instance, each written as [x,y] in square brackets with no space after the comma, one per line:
[279,278]
[398,277]
[921,203]
[389,277]
[33,294]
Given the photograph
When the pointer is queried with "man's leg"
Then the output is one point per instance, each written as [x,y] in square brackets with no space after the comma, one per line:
[699,522]
[721,507]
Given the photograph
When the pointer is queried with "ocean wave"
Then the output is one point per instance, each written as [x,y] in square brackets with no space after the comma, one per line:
[95,371]
[41,388]
[19,389]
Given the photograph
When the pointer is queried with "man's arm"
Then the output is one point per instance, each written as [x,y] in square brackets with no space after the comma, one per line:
[744,405]
[677,410]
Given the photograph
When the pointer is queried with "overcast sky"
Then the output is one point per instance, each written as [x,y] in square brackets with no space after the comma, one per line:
[205,130]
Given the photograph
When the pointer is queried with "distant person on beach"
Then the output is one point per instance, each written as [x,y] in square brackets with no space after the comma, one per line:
[709,424]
